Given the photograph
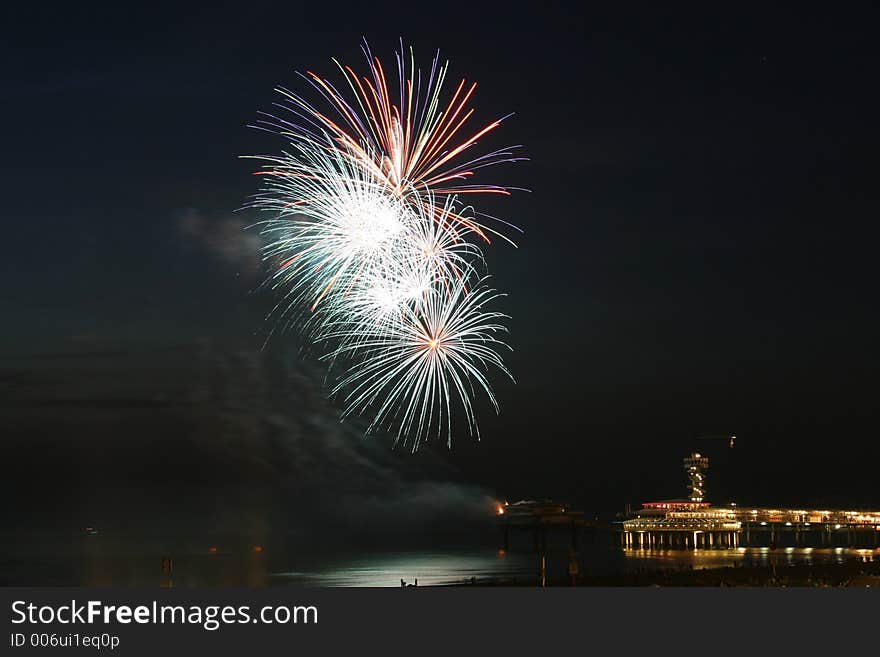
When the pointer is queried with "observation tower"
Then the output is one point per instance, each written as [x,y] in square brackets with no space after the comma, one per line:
[695,466]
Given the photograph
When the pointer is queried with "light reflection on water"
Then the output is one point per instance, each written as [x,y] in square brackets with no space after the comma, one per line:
[749,557]
[430,568]
[104,561]
[455,567]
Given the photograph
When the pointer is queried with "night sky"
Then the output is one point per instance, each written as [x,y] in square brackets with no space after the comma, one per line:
[698,257]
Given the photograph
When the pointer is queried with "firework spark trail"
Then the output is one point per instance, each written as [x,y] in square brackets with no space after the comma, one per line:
[371,252]
[410,147]
[347,233]
[417,362]
[421,259]
[329,223]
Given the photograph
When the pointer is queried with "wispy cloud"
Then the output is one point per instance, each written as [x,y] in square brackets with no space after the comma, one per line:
[225,238]
[230,434]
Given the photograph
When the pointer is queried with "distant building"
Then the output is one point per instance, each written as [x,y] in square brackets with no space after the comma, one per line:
[694,523]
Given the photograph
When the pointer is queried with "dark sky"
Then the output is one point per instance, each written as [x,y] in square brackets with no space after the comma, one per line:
[699,252]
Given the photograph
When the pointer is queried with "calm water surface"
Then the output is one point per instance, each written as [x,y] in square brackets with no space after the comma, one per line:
[119,561]
[459,566]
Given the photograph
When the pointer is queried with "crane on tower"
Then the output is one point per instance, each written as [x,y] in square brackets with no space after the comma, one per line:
[726,436]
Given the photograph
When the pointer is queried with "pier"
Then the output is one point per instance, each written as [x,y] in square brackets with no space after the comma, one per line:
[684,525]
[695,524]
[540,518]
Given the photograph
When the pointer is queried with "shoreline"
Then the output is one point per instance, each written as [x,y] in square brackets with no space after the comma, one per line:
[852,573]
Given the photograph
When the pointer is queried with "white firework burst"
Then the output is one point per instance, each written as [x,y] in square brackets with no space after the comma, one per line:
[330,224]
[373,254]
[414,368]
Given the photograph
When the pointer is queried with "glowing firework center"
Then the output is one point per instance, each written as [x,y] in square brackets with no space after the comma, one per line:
[369,222]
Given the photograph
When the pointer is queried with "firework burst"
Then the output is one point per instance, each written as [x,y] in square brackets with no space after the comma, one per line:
[408,140]
[372,253]
[413,367]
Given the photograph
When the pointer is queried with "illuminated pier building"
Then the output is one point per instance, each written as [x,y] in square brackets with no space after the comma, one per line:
[539,518]
[694,523]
